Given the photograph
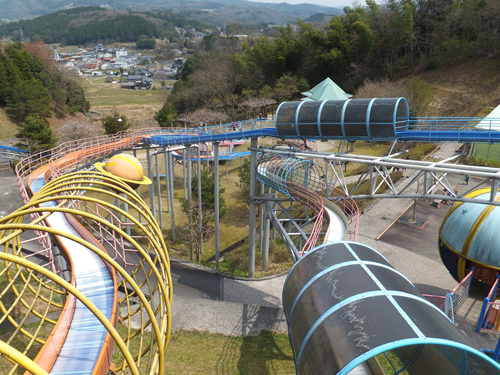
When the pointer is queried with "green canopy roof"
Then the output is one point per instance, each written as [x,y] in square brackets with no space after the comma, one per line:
[326,90]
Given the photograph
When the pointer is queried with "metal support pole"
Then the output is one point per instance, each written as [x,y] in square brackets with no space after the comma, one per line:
[138,190]
[184,171]
[253,210]
[171,181]
[326,179]
[126,220]
[190,202]
[200,213]
[261,218]
[227,170]
[158,188]
[274,231]
[265,245]
[151,187]
[167,185]
[208,155]
[216,192]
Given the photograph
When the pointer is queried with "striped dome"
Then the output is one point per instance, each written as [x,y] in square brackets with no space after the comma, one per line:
[471,232]
[125,166]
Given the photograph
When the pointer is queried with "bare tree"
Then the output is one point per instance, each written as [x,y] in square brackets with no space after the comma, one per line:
[258,103]
[204,115]
[77,129]
[194,234]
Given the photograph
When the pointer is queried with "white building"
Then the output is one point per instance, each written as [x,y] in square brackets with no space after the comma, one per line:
[121,52]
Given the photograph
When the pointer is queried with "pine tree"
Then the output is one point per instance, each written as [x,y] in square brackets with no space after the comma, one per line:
[36,134]
[29,98]
[167,115]
[115,123]
[4,86]
[13,75]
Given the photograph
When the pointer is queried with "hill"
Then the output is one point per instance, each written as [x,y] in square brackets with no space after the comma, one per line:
[319,17]
[93,24]
[242,10]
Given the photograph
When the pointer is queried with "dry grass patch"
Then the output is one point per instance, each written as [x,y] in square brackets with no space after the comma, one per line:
[9,128]
[141,116]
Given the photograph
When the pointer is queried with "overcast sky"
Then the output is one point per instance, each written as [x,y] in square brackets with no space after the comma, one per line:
[330,3]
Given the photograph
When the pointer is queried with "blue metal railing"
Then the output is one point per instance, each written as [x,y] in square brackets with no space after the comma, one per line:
[419,129]
[239,130]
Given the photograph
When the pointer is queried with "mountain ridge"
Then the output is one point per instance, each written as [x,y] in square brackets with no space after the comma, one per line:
[15,10]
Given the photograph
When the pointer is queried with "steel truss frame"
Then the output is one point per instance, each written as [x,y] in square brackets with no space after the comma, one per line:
[289,228]
[432,176]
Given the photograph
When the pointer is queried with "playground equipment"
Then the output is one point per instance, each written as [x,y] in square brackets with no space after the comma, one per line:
[345,305]
[126,168]
[468,238]
[96,276]
[136,267]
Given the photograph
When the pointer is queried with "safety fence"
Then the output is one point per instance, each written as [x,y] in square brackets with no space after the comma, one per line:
[451,302]
[300,180]
[489,318]
[312,202]
[450,124]
[348,207]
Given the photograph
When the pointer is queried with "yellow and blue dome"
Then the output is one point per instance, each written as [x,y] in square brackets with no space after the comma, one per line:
[125,167]
[470,237]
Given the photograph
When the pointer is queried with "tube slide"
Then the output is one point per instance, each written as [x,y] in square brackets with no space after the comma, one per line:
[83,350]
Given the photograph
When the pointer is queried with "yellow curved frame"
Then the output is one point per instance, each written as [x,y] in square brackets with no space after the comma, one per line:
[82,195]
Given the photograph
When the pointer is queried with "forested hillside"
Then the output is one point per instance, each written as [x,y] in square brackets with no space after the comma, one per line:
[221,10]
[32,85]
[93,24]
[390,41]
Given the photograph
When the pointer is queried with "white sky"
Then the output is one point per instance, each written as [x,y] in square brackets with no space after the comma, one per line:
[330,3]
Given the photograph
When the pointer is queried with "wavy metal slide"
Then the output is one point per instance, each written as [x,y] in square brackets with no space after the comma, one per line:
[89,274]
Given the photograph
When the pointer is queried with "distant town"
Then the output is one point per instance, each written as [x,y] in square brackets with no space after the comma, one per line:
[134,69]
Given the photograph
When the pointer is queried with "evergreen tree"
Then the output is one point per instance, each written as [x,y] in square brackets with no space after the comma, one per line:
[146,44]
[167,115]
[36,135]
[208,193]
[13,75]
[4,86]
[29,98]
[20,60]
[115,123]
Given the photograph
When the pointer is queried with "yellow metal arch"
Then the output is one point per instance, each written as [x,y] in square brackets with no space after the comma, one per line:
[86,196]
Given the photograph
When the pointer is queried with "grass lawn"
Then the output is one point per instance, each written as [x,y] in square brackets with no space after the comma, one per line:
[101,93]
[113,97]
[192,353]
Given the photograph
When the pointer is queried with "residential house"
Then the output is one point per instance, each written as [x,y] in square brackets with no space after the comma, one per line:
[152,67]
[121,52]
[134,77]
[160,75]
[91,66]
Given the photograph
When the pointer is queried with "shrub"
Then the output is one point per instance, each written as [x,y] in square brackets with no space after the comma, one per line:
[115,123]
[280,255]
